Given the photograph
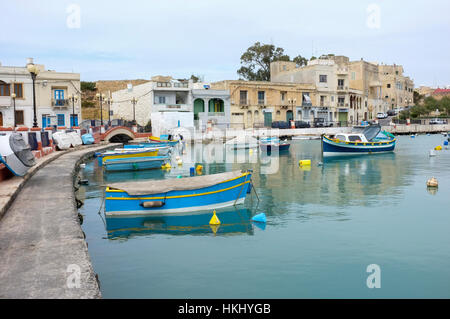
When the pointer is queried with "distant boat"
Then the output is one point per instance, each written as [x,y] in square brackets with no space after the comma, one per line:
[134,163]
[154,139]
[273,143]
[300,137]
[366,142]
[242,142]
[177,195]
[15,153]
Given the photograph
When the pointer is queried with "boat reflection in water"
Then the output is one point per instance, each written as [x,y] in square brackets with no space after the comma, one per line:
[233,221]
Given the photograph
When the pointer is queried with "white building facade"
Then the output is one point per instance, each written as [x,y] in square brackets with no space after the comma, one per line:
[169,103]
[52,92]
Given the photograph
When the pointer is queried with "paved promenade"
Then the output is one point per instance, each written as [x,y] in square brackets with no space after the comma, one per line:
[40,237]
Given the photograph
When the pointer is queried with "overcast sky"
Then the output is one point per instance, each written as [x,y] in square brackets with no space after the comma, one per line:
[139,39]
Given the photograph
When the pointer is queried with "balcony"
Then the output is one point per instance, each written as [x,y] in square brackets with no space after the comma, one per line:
[261,102]
[243,102]
[342,71]
[60,103]
[342,88]
[216,113]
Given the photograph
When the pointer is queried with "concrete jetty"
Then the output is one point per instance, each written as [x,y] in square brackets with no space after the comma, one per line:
[43,253]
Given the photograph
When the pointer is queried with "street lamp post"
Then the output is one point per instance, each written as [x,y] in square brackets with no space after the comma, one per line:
[134,101]
[13,96]
[109,101]
[74,99]
[34,71]
[101,98]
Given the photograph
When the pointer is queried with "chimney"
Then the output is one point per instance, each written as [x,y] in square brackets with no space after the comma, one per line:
[29,60]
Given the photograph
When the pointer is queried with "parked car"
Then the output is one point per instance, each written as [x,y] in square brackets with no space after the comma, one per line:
[280,124]
[301,124]
[381,115]
[320,122]
[438,121]
[391,112]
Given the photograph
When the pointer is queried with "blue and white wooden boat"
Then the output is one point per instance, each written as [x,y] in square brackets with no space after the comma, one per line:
[134,163]
[126,153]
[146,145]
[15,153]
[367,142]
[272,144]
[177,195]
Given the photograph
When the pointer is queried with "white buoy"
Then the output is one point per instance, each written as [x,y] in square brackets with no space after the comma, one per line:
[432,182]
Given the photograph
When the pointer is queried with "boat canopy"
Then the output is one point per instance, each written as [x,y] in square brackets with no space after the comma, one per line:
[21,149]
[178,184]
[369,131]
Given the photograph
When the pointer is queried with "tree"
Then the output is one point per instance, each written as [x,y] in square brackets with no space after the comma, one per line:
[256,61]
[300,61]
[195,78]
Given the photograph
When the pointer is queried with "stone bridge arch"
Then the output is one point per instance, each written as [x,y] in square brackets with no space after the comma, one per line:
[118,134]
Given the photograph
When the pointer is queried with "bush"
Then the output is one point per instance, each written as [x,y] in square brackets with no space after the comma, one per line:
[88,86]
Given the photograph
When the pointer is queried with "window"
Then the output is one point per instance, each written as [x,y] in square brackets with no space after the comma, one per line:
[73,120]
[4,89]
[322,78]
[161,100]
[261,97]
[353,75]
[19,118]
[163,84]
[59,97]
[283,96]
[243,97]
[354,138]
[341,100]
[332,98]
[322,100]
[18,89]
[61,120]
[340,83]
[388,86]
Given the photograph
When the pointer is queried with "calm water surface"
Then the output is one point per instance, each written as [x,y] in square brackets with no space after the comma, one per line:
[325,225]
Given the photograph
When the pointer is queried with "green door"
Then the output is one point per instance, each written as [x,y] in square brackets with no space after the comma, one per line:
[199,106]
[289,116]
[343,118]
[268,119]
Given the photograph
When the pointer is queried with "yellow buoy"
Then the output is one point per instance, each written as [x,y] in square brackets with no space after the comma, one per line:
[199,168]
[438,148]
[168,165]
[432,182]
[180,162]
[214,219]
[304,162]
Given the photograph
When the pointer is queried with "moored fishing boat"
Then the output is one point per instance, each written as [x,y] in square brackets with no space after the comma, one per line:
[125,154]
[134,163]
[15,153]
[154,139]
[177,195]
[162,151]
[273,143]
[146,145]
[369,141]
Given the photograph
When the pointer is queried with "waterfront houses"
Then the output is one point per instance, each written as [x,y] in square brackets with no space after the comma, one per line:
[348,91]
[53,91]
[170,103]
[259,103]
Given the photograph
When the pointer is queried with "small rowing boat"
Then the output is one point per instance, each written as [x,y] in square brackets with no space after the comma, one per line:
[15,153]
[134,163]
[125,154]
[177,195]
[272,144]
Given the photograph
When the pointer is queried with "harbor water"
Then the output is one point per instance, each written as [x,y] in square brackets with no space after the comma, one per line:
[326,223]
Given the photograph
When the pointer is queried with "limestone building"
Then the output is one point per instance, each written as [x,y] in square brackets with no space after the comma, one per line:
[259,103]
[53,89]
